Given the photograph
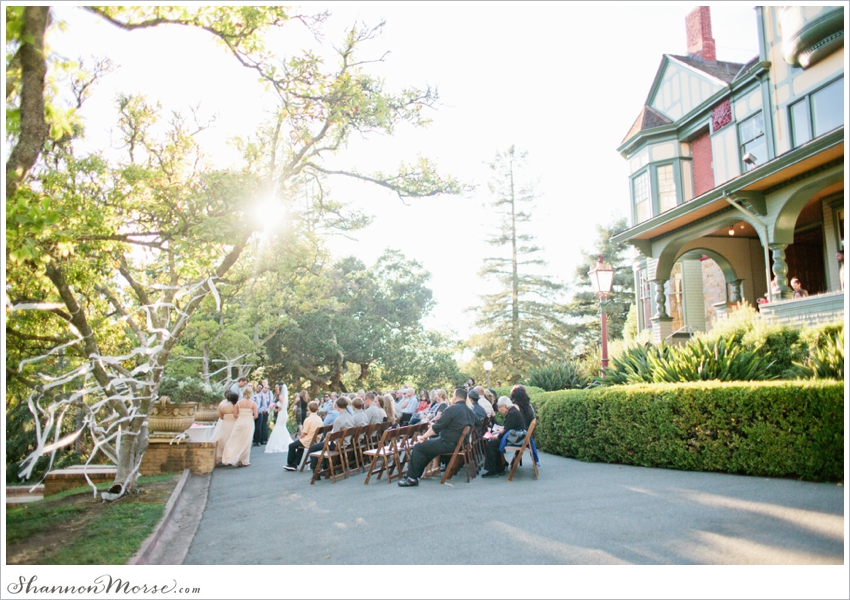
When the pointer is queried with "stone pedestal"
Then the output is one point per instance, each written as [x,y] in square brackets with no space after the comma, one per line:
[162,456]
[661,328]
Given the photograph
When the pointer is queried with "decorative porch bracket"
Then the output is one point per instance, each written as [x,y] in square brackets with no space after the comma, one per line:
[752,201]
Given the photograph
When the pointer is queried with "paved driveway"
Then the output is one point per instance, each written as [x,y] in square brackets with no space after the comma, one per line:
[576,513]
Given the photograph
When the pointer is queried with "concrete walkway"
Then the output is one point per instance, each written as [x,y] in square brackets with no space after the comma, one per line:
[576,513]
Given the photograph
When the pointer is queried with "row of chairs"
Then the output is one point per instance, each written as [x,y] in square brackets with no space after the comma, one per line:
[388,451]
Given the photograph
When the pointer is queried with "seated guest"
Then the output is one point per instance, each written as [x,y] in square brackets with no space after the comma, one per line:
[447,429]
[332,414]
[441,403]
[513,420]
[486,399]
[476,406]
[342,421]
[519,396]
[388,409]
[296,448]
[359,417]
[373,409]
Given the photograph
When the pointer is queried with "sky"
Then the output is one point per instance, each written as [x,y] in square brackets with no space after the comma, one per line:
[563,82]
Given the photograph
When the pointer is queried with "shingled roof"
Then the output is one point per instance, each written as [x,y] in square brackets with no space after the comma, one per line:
[724,71]
[647,119]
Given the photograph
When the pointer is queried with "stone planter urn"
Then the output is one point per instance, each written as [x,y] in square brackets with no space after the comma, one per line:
[206,414]
[167,418]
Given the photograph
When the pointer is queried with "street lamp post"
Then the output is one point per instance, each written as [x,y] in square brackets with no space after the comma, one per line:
[488,366]
[602,279]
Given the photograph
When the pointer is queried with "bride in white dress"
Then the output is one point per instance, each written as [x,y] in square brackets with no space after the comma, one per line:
[280,439]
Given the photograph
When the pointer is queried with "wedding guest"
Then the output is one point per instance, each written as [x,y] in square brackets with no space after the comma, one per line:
[310,426]
[388,409]
[373,409]
[447,429]
[519,396]
[513,420]
[359,416]
[343,420]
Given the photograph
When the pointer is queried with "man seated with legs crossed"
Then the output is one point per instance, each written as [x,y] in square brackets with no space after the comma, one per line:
[448,429]
[296,448]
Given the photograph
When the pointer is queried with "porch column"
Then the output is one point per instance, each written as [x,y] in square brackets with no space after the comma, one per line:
[780,271]
[662,323]
[737,291]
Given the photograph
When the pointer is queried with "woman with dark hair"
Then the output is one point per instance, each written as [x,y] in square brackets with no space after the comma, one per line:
[226,420]
[519,396]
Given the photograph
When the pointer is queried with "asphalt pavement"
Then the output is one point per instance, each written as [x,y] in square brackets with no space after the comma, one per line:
[575,514]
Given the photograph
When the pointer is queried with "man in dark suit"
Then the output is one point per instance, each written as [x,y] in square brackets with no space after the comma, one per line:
[447,429]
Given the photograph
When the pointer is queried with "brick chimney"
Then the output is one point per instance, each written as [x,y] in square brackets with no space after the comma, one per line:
[700,42]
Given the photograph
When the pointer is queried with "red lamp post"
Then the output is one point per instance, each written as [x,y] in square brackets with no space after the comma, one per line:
[602,279]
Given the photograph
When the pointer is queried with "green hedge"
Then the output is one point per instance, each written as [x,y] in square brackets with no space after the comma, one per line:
[777,429]
[505,390]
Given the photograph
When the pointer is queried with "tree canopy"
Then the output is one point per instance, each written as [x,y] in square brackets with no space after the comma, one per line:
[108,259]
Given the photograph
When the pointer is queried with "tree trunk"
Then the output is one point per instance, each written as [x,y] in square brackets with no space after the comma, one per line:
[206,365]
[34,128]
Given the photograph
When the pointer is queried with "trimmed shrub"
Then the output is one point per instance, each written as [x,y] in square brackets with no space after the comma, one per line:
[776,429]
[505,390]
[557,376]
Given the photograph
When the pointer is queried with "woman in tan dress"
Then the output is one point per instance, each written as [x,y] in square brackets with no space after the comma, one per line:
[226,420]
[237,451]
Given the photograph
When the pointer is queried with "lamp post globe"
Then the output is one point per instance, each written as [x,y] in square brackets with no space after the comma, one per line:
[488,366]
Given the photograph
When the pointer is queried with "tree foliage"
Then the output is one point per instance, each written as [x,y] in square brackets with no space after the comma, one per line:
[108,259]
[583,309]
[518,323]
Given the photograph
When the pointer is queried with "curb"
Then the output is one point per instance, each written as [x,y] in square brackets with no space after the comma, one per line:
[144,552]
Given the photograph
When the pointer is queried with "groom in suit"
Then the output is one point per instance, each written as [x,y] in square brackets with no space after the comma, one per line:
[261,425]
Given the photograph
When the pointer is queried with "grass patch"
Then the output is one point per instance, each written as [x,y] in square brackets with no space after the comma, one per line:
[73,527]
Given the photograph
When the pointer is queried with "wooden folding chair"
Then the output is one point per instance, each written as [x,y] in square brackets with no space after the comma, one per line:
[352,445]
[457,460]
[401,454]
[319,436]
[520,450]
[333,458]
[381,453]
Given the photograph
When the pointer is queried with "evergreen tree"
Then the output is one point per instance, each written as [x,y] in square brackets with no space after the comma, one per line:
[519,322]
[583,309]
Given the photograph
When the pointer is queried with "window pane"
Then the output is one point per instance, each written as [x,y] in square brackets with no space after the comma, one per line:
[800,129]
[828,107]
[752,128]
[758,150]
[641,190]
[666,188]
[646,299]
